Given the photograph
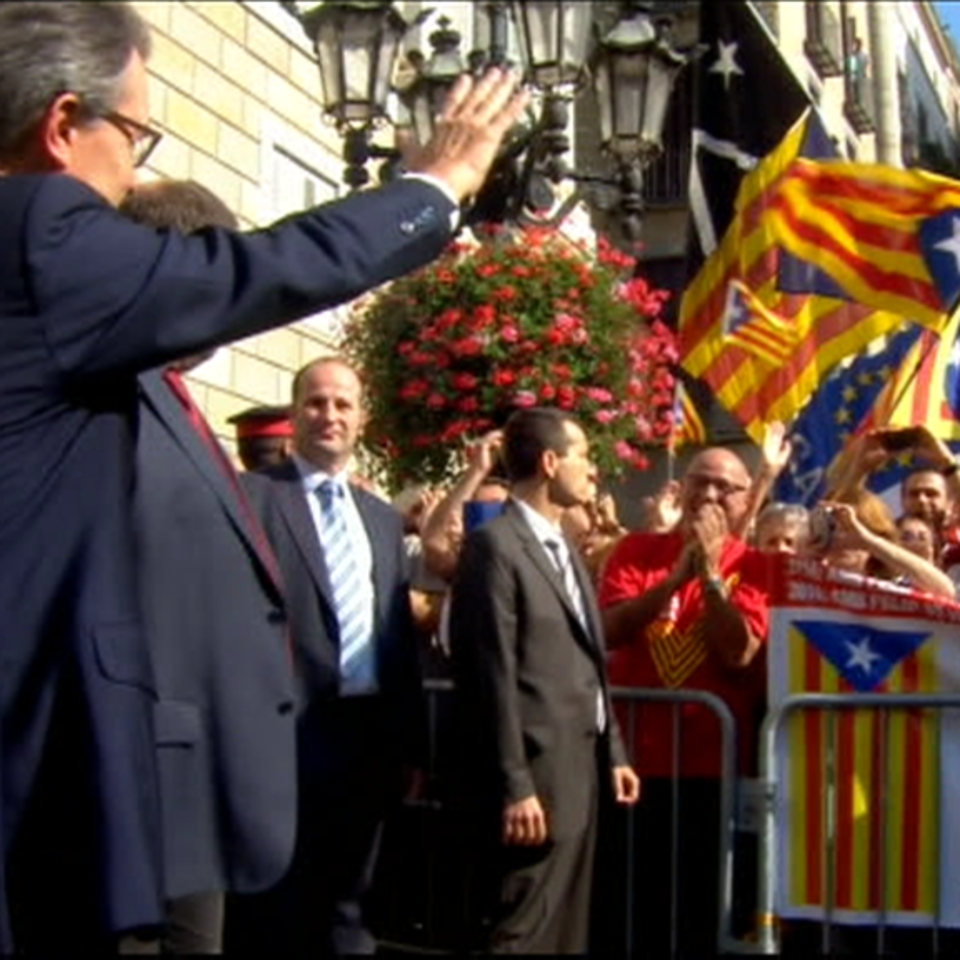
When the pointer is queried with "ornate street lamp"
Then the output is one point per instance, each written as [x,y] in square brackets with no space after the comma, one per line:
[425,96]
[633,67]
[357,43]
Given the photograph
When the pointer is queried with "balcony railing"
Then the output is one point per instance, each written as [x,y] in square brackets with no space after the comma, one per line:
[666,180]
[824,43]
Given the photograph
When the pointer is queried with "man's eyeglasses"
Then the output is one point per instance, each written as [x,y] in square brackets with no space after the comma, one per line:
[143,139]
[724,488]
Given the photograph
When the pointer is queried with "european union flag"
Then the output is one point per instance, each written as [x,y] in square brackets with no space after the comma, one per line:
[863,655]
[834,413]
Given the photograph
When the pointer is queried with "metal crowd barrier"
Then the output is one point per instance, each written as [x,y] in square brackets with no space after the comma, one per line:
[423,888]
[768,934]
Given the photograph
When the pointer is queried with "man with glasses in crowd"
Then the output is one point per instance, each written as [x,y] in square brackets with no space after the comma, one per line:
[87,301]
[687,609]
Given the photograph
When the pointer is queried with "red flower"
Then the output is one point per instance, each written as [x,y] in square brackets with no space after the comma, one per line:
[414,390]
[566,397]
[503,378]
[464,381]
[436,401]
[485,315]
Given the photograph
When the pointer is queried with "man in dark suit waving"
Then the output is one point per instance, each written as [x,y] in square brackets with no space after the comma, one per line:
[361,724]
[527,646]
[87,301]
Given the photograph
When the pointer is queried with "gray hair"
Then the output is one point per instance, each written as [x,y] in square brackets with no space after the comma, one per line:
[785,513]
[48,49]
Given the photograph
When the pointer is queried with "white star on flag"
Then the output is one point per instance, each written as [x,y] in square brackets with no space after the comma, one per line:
[726,64]
[952,244]
[861,655]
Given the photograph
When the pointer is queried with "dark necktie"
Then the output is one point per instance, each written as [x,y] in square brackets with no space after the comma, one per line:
[199,423]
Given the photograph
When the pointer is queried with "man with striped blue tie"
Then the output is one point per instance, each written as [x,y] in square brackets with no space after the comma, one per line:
[361,723]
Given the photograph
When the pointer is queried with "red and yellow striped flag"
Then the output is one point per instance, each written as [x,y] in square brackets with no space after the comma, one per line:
[869,801]
[890,238]
[824,328]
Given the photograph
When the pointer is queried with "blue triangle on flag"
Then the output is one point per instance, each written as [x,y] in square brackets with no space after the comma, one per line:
[940,242]
[863,655]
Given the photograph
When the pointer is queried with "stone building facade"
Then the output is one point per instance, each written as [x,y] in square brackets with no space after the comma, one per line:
[235,88]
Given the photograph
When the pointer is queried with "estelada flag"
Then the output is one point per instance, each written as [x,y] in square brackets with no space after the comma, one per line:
[810,323]
[868,801]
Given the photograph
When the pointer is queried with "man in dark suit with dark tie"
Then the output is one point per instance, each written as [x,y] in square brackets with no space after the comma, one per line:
[540,744]
[214,622]
[87,301]
[361,724]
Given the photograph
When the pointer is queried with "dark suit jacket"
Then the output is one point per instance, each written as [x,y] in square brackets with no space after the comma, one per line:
[87,301]
[215,624]
[278,496]
[527,675]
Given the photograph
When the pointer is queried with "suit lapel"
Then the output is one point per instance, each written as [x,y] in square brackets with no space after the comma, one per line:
[292,502]
[538,556]
[170,412]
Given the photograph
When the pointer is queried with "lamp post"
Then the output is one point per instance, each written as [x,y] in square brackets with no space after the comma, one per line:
[633,67]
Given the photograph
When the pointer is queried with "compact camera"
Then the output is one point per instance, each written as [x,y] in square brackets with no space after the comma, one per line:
[823,528]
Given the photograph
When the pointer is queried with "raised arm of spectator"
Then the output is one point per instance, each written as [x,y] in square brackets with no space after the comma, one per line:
[856,461]
[441,544]
[921,574]
[775,454]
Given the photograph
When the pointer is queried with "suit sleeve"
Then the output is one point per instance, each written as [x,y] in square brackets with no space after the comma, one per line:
[484,635]
[114,296]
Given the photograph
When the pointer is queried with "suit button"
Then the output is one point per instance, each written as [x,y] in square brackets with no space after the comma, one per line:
[408,227]
[285,708]
[276,616]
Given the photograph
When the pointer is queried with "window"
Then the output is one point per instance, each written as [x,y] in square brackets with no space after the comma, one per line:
[296,186]
[298,173]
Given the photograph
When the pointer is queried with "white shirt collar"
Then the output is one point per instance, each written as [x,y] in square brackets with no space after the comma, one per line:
[542,528]
[311,477]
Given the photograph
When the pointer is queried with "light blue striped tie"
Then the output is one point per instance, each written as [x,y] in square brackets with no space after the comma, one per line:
[357,667]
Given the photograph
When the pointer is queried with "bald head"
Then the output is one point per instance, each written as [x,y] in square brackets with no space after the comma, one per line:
[328,415]
[716,475]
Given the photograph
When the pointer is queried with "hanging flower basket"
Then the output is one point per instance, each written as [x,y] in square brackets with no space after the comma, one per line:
[534,319]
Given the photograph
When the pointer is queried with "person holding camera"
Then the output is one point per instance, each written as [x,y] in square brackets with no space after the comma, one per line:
[860,537]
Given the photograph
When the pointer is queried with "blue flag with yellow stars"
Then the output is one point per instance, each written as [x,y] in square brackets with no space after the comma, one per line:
[833,415]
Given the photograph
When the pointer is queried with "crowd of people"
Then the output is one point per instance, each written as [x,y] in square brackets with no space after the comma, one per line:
[212,691]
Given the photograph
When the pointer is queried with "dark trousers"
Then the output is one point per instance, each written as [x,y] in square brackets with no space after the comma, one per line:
[537,899]
[321,904]
[658,874]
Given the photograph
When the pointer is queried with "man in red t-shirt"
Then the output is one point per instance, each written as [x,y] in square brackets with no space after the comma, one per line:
[688,609]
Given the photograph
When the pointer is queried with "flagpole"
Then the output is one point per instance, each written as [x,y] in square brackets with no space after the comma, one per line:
[902,391]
